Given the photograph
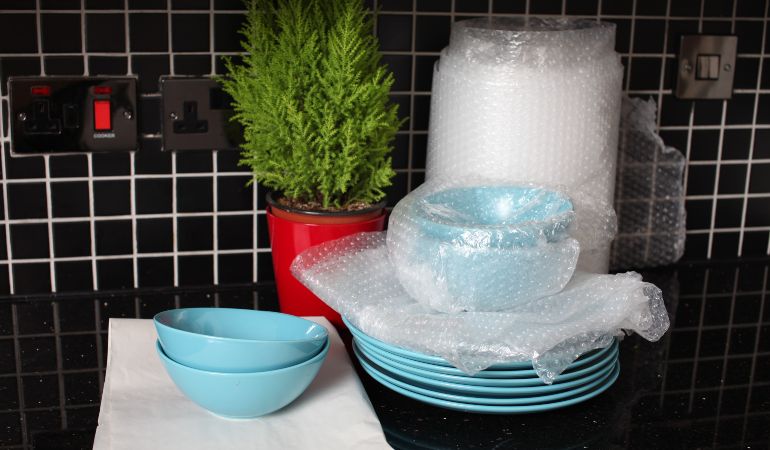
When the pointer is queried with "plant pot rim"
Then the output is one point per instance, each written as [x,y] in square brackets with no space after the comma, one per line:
[317,213]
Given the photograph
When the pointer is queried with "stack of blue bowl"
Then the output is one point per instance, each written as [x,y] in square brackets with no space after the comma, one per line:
[512,388]
[240,363]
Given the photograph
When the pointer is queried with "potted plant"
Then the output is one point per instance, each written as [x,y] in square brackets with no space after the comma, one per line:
[313,99]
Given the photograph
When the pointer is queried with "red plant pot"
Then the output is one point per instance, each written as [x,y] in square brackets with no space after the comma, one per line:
[290,234]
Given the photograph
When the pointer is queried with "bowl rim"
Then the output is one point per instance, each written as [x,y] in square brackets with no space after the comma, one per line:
[538,226]
[325,334]
[320,356]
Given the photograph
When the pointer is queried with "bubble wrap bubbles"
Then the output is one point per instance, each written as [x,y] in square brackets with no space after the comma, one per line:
[529,99]
[481,247]
[649,196]
[355,276]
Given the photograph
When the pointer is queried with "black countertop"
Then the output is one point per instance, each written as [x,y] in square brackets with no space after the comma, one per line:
[705,384]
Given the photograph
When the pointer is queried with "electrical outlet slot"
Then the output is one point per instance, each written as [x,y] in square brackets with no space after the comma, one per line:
[190,122]
[41,121]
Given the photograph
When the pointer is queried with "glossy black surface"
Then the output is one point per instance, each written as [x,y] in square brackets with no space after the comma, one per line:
[706,384]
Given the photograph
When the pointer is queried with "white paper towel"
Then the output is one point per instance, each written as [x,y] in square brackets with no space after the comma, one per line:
[529,100]
[142,409]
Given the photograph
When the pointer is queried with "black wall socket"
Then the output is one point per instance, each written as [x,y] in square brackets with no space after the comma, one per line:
[196,115]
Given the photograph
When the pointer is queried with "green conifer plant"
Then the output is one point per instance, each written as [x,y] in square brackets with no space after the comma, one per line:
[313,98]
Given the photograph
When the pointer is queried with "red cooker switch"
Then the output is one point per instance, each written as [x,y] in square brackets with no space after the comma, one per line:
[102,115]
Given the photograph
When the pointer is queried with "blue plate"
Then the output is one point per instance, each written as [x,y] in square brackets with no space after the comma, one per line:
[486,382]
[512,401]
[438,361]
[584,360]
[488,409]
[487,391]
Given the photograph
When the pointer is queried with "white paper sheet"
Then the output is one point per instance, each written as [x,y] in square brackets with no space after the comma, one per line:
[142,409]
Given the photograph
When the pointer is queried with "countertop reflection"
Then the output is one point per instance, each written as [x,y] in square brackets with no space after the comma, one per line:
[705,384]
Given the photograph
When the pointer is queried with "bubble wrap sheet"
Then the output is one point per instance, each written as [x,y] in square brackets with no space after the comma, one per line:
[649,196]
[355,276]
[529,99]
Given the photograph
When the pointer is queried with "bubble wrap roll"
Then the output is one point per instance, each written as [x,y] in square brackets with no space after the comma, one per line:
[534,100]
[355,276]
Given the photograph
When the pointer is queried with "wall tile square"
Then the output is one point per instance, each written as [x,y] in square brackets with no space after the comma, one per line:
[194,194]
[74,276]
[390,39]
[115,274]
[18,33]
[432,33]
[190,32]
[112,198]
[27,201]
[196,270]
[105,33]
[226,36]
[71,239]
[149,32]
[61,33]
[732,179]
[153,196]
[195,233]
[233,194]
[154,235]
[114,237]
[759,181]
[70,199]
[235,268]
[29,240]
[235,232]
[154,272]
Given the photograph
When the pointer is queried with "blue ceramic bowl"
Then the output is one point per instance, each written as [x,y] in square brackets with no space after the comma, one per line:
[511,216]
[243,395]
[237,340]
[483,248]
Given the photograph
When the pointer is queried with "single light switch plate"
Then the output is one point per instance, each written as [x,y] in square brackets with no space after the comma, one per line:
[706,67]
[196,115]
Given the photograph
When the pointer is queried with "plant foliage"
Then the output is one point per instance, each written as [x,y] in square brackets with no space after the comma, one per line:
[312,96]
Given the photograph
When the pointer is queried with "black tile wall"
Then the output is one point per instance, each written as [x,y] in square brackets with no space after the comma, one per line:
[153,218]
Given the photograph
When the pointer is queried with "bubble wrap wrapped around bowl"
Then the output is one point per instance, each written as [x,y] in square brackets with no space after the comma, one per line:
[481,247]
[529,99]
[355,276]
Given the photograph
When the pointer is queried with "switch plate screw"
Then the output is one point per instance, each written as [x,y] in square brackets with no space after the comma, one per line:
[728,67]
[22,116]
[173,116]
[686,66]
[128,115]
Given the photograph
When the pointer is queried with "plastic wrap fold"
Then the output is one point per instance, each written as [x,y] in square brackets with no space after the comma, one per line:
[356,277]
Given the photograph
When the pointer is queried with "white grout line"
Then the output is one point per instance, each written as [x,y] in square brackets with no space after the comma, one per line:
[49,221]
[92,222]
[749,162]
[715,203]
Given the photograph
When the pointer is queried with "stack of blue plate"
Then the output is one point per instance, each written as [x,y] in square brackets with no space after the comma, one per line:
[511,388]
